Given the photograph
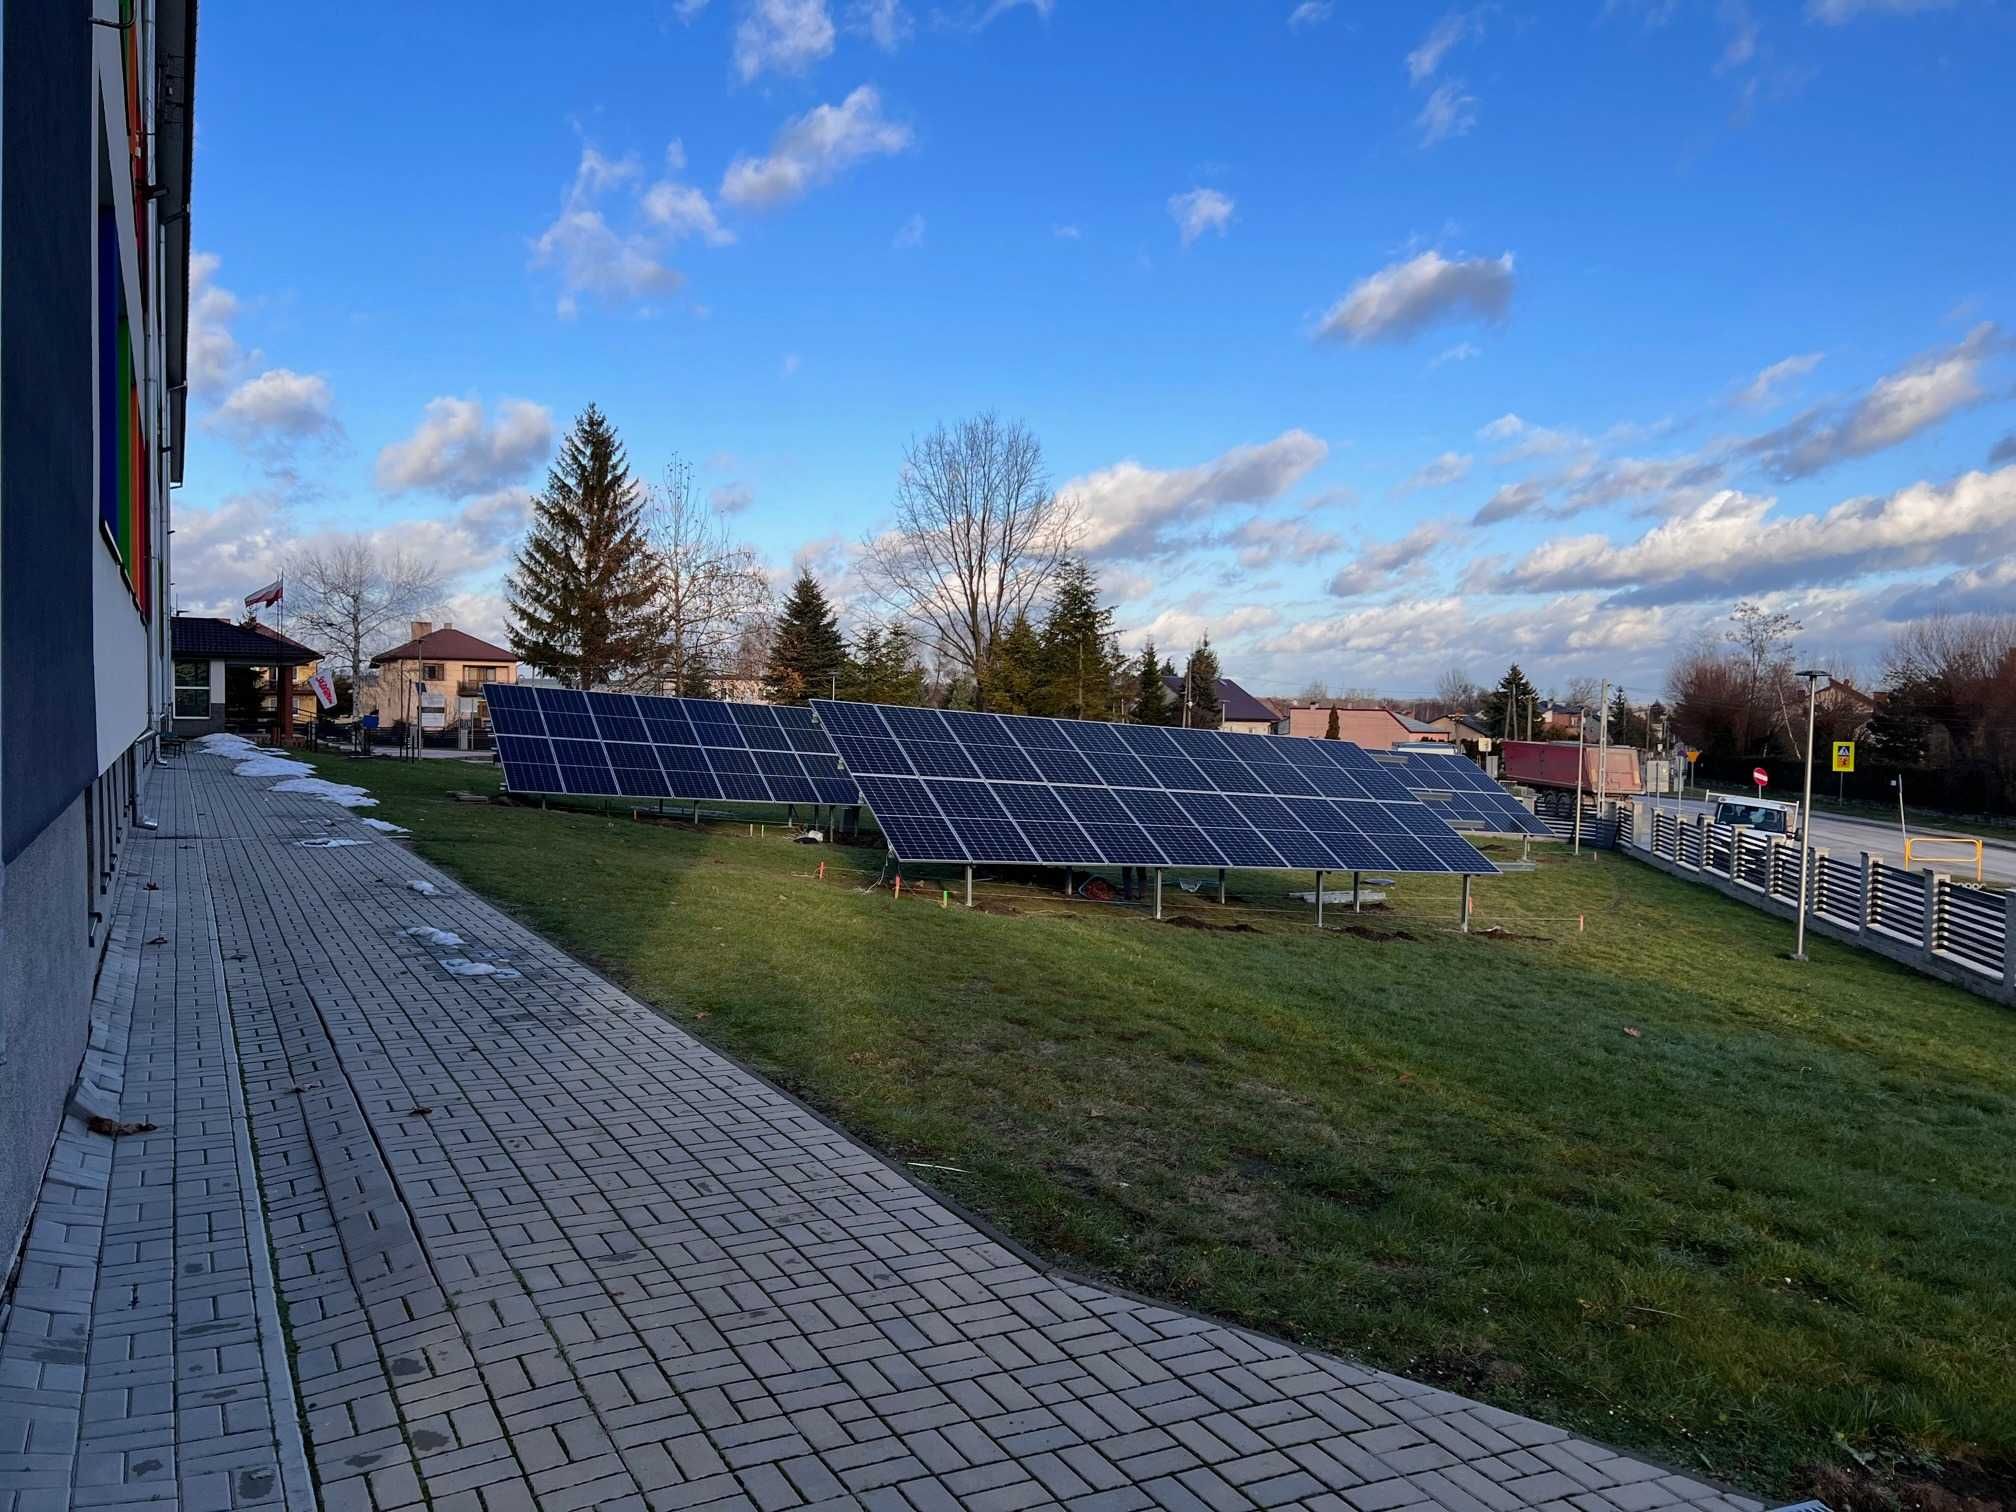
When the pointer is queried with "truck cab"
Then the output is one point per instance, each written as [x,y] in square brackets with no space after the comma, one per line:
[1767,816]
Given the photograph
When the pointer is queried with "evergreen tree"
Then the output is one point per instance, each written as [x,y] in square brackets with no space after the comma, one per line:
[1017,675]
[883,667]
[807,653]
[582,590]
[1080,660]
[1151,694]
[1203,708]
[1627,727]
[1333,731]
[1506,709]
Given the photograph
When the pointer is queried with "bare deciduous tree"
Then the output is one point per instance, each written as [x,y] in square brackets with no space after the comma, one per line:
[1455,693]
[979,537]
[711,590]
[349,594]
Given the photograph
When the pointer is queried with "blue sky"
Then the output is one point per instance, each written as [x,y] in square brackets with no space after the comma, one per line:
[1374,340]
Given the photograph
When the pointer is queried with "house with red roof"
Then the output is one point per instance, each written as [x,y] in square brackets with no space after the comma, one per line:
[435,678]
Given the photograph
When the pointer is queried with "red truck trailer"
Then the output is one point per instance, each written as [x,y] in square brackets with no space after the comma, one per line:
[1551,764]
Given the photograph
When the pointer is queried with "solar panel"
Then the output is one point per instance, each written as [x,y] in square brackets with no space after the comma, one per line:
[555,740]
[962,787]
[1460,791]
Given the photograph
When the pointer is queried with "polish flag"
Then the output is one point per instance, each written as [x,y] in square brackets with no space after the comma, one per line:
[270,594]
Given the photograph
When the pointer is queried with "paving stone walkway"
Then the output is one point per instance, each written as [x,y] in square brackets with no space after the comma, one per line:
[538,1248]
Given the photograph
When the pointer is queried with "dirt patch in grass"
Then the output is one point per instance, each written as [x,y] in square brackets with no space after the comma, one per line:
[1905,1486]
[1367,932]
[1191,921]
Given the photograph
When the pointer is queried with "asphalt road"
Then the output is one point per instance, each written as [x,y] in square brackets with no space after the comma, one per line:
[1842,835]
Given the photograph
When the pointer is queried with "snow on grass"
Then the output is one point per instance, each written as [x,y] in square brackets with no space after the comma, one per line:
[386,826]
[249,760]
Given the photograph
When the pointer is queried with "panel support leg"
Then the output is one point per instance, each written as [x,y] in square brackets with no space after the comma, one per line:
[969,886]
[1466,903]
[1221,884]
[1319,900]
[1158,892]
[1070,876]
[1357,892]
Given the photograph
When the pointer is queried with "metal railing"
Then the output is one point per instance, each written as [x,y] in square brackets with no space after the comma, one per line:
[1958,931]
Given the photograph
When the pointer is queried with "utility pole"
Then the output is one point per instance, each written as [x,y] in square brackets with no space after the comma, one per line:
[1806,814]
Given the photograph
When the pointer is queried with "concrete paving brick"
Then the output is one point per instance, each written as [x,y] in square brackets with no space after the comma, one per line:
[611,1269]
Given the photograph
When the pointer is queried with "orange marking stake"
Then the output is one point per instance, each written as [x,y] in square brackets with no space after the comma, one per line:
[899,887]
[822,871]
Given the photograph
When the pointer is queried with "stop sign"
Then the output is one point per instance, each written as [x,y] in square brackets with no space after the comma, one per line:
[1759,776]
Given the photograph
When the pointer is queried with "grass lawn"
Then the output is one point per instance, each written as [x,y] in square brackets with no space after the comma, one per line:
[1650,1180]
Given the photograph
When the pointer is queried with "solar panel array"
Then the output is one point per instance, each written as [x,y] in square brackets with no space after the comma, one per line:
[555,740]
[1459,790]
[947,785]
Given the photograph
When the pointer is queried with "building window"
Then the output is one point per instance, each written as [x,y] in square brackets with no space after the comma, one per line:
[430,671]
[192,690]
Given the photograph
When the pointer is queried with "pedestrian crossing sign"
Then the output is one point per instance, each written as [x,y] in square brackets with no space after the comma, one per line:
[1844,755]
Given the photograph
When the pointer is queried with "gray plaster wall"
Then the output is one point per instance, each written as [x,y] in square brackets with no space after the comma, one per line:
[45,1007]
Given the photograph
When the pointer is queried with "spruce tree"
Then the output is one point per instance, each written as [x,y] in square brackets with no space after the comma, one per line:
[1333,731]
[1017,670]
[1204,709]
[1079,658]
[1506,708]
[582,590]
[807,653]
[1151,694]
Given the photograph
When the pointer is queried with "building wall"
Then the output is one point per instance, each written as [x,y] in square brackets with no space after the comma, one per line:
[81,631]
[390,695]
[1374,729]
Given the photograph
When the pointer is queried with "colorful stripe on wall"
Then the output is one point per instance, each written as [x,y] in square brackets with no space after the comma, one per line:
[122,436]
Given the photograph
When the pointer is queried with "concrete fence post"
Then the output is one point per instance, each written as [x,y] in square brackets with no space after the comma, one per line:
[1736,852]
[1816,878]
[2009,940]
[1867,911]
[1935,898]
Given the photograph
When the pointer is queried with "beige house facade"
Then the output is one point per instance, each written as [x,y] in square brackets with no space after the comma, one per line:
[436,679]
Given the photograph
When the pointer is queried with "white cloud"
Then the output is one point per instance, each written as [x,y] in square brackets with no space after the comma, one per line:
[1835,12]
[1741,47]
[1403,299]
[815,148]
[998,8]
[885,23]
[215,358]
[731,498]
[1451,111]
[1264,542]
[1186,625]
[277,406]
[593,258]
[1763,389]
[1138,512]
[1199,210]
[788,36]
[682,211]
[1532,440]
[1450,32]
[1732,544]
[1463,351]
[910,233]
[1897,407]
[1450,467]
[1383,566]
[1310,13]
[1066,233]
[1509,502]
[457,451]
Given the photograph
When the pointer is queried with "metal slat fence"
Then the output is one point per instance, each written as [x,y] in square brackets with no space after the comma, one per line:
[1956,930]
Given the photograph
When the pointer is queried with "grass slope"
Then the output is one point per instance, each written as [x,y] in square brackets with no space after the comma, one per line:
[1769,1231]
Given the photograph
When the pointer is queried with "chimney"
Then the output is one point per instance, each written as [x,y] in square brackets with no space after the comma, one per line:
[422,627]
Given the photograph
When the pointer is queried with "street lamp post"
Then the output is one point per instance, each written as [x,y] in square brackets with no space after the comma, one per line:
[1812,677]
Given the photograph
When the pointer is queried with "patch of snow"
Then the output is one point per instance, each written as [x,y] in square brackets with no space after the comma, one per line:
[385,826]
[322,787]
[328,842]
[434,936]
[425,889]
[462,966]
